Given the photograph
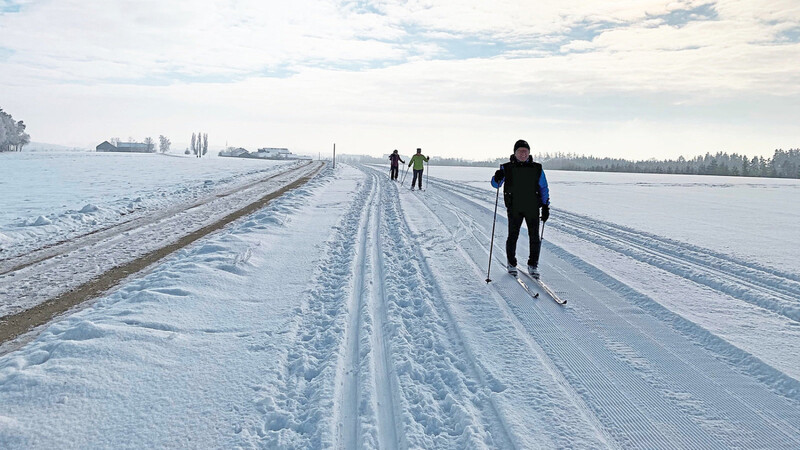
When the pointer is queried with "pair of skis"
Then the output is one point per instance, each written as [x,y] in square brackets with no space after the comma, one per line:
[539,282]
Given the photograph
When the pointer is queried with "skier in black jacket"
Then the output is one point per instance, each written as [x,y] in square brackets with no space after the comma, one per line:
[524,193]
[393,159]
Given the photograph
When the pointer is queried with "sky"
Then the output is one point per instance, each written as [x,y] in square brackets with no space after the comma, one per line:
[633,79]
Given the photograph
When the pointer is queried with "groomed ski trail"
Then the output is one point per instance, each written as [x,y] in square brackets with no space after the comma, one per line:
[624,371]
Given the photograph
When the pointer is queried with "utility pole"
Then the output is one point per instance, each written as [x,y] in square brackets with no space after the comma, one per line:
[334,155]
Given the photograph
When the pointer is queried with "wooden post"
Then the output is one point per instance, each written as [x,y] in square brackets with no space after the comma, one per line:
[334,155]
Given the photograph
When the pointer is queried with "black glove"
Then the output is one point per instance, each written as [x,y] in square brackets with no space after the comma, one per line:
[499,176]
[545,213]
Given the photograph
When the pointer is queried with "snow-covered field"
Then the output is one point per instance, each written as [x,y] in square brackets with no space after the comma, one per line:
[756,219]
[352,313]
[49,197]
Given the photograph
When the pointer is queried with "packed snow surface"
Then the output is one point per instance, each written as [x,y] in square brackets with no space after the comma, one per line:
[353,313]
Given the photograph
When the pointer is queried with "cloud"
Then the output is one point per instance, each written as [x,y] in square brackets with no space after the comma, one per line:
[392,69]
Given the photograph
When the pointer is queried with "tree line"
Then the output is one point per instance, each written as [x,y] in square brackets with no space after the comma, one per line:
[163,143]
[783,164]
[12,133]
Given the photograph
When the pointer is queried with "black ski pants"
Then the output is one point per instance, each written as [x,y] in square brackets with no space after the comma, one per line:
[393,172]
[515,219]
[417,173]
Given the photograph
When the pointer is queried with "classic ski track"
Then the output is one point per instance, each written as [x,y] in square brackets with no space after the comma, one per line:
[312,378]
[684,260]
[787,428]
[785,303]
[384,377]
[351,364]
[489,413]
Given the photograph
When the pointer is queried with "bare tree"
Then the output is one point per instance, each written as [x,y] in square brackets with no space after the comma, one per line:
[150,143]
[194,148]
[163,144]
[205,143]
[114,141]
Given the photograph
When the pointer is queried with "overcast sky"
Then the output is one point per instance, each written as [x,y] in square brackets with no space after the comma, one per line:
[636,79]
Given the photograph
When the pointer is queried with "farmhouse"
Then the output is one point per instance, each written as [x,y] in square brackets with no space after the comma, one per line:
[129,147]
[235,152]
[273,153]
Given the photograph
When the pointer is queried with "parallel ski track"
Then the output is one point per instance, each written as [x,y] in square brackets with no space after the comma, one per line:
[762,286]
[402,244]
[368,394]
[295,413]
[386,402]
[781,296]
[351,365]
[651,391]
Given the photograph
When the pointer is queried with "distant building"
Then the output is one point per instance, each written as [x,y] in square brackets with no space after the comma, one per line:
[127,147]
[262,153]
[234,152]
[273,153]
[106,147]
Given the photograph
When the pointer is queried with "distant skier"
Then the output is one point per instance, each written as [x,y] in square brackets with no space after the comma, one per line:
[524,193]
[418,161]
[394,158]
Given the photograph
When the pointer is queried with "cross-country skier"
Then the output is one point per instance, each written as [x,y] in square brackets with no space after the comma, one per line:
[417,160]
[524,193]
[394,157]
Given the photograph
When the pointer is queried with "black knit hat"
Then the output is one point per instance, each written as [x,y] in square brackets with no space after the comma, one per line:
[521,143]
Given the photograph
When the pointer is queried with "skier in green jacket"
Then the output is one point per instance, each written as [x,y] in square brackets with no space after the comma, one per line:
[418,162]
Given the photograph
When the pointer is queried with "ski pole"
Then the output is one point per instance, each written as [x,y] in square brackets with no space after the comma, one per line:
[491,245]
[427,173]
[404,176]
[541,238]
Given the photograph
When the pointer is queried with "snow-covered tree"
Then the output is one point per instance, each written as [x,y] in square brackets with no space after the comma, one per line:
[150,143]
[205,143]
[12,134]
[163,144]
[194,148]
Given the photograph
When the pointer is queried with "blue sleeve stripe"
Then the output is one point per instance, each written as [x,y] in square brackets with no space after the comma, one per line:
[544,191]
